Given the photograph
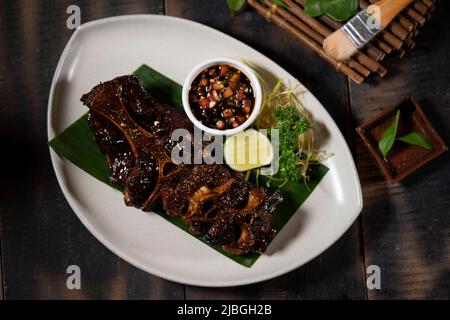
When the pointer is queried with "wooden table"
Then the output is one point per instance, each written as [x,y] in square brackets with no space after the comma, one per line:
[404,229]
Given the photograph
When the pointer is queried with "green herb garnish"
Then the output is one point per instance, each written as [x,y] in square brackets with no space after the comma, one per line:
[340,10]
[282,109]
[390,136]
[290,125]
[289,168]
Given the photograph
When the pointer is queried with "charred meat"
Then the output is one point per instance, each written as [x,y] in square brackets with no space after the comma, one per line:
[114,146]
[114,101]
[133,132]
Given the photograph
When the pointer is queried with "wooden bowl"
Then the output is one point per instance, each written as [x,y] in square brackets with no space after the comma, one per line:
[403,159]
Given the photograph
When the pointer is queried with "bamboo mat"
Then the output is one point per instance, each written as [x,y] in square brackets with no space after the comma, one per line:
[396,39]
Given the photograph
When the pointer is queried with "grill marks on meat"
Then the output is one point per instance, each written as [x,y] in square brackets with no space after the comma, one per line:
[114,146]
[222,208]
[258,231]
[189,187]
[133,132]
[151,115]
[113,100]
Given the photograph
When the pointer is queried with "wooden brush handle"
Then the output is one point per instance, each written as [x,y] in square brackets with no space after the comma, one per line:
[388,9]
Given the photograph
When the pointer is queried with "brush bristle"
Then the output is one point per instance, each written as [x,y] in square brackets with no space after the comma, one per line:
[339,46]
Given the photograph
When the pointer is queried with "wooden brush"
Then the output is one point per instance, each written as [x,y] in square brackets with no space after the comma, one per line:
[359,30]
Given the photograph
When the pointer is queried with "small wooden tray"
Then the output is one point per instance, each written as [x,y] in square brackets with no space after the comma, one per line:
[403,159]
[395,39]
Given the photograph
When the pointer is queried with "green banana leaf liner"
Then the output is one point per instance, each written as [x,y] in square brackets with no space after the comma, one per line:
[77,144]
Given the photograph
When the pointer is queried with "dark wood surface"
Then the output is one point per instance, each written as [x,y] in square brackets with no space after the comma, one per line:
[407,234]
[403,229]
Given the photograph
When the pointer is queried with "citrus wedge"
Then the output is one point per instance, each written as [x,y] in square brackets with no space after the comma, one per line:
[248,150]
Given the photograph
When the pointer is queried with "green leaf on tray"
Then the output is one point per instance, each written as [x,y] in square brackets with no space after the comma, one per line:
[387,140]
[77,144]
[235,5]
[340,10]
[417,139]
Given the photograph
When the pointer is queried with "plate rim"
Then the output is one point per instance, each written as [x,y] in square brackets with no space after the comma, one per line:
[123,255]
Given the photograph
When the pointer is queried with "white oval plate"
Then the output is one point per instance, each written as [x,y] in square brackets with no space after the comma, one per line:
[103,49]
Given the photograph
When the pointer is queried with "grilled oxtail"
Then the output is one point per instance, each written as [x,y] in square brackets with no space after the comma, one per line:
[133,132]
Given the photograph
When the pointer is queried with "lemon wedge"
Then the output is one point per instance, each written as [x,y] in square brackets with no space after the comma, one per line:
[248,150]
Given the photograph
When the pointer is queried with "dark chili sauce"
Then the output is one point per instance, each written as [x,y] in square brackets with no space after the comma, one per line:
[221,97]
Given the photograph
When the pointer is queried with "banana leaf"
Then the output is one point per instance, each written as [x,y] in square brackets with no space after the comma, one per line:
[76,143]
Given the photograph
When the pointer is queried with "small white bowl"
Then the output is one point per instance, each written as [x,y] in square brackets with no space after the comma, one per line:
[254,81]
